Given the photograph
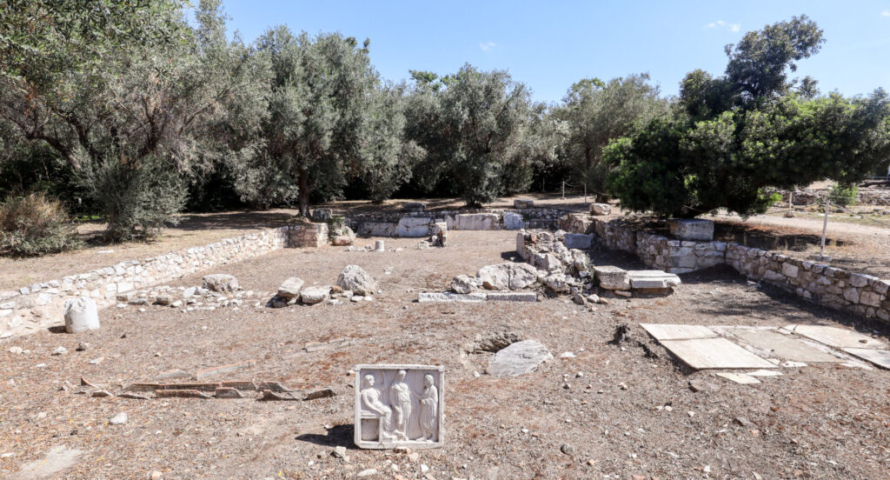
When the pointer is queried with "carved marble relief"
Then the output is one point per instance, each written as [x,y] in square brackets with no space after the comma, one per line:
[399,405]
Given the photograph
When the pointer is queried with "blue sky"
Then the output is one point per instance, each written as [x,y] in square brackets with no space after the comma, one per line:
[550,45]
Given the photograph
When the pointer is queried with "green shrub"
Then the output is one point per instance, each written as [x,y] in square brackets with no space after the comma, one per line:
[35,225]
[843,195]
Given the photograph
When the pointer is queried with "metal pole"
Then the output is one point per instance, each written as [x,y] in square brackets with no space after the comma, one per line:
[825,226]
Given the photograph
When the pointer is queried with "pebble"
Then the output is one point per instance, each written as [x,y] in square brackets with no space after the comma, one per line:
[60,351]
[82,347]
[119,419]
[155,475]
[567,449]
[622,386]
[367,473]
[339,452]
[97,361]
[424,468]
[16,350]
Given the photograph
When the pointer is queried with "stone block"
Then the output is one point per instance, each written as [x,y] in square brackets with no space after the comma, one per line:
[399,406]
[579,241]
[511,297]
[790,270]
[611,278]
[600,209]
[652,279]
[477,221]
[513,221]
[378,229]
[523,203]
[692,229]
[414,227]
[426,297]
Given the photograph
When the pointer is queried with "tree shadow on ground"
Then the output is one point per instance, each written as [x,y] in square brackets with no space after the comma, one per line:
[238,221]
[338,436]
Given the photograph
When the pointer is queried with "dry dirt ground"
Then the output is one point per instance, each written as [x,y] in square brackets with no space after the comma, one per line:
[813,422]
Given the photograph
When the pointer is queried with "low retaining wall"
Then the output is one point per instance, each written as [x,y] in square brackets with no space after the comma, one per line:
[419,224]
[41,305]
[832,287]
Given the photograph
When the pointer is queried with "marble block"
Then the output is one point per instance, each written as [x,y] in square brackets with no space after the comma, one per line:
[399,406]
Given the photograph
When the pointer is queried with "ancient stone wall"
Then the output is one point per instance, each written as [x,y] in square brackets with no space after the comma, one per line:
[419,223]
[40,305]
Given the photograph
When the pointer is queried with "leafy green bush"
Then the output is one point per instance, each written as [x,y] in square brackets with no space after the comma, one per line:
[843,194]
[35,225]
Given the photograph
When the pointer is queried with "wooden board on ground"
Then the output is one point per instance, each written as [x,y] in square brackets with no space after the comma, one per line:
[838,337]
[711,353]
[784,346]
[677,332]
[880,358]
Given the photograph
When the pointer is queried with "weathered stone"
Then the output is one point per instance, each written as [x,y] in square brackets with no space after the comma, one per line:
[511,297]
[425,297]
[414,227]
[507,276]
[290,288]
[600,209]
[342,237]
[313,295]
[549,262]
[378,229]
[579,241]
[357,280]
[790,270]
[513,221]
[465,284]
[477,221]
[518,359]
[652,279]
[81,315]
[611,278]
[219,282]
[557,282]
[439,232]
[322,214]
[692,229]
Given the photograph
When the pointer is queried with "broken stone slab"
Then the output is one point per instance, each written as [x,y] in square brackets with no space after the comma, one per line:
[269,395]
[182,394]
[228,392]
[219,282]
[783,346]
[290,288]
[323,393]
[557,282]
[652,279]
[425,297]
[523,203]
[477,221]
[611,278]
[880,358]
[357,280]
[511,297]
[665,331]
[465,284]
[600,209]
[714,353]
[740,378]
[314,295]
[81,315]
[579,241]
[837,337]
[414,227]
[518,359]
[692,229]
[399,406]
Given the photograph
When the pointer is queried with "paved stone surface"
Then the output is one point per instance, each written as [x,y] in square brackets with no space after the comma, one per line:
[783,346]
[838,337]
[518,359]
[880,358]
[677,332]
[712,353]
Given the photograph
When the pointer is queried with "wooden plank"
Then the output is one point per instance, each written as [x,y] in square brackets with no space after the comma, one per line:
[711,353]
[783,346]
[677,332]
[838,337]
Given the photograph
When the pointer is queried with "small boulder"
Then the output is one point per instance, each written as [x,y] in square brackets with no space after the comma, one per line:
[557,282]
[81,315]
[313,295]
[507,276]
[342,237]
[290,288]
[163,300]
[518,359]
[355,279]
[219,282]
[119,419]
[465,284]
[600,209]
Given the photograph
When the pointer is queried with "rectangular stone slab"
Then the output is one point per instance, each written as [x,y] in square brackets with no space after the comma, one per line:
[784,346]
[711,353]
[450,297]
[512,297]
[380,396]
[677,332]
[838,337]
[880,358]
[740,378]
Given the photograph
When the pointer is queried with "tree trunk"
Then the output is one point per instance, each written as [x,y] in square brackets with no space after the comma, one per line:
[303,194]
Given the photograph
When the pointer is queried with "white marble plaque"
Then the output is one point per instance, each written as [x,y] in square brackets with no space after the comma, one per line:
[399,406]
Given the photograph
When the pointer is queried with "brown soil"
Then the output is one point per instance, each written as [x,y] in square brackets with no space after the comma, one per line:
[814,422]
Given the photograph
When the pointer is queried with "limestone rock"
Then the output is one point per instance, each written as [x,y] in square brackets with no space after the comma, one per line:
[290,288]
[579,241]
[219,282]
[413,227]
[355,279]
[612,278]
[507,276]
[465,284]
[518,359]
[477,221]
[342,237]
[313,295]
[557,282]
[523,203]
[81,315]
[513,221]
[600,209]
